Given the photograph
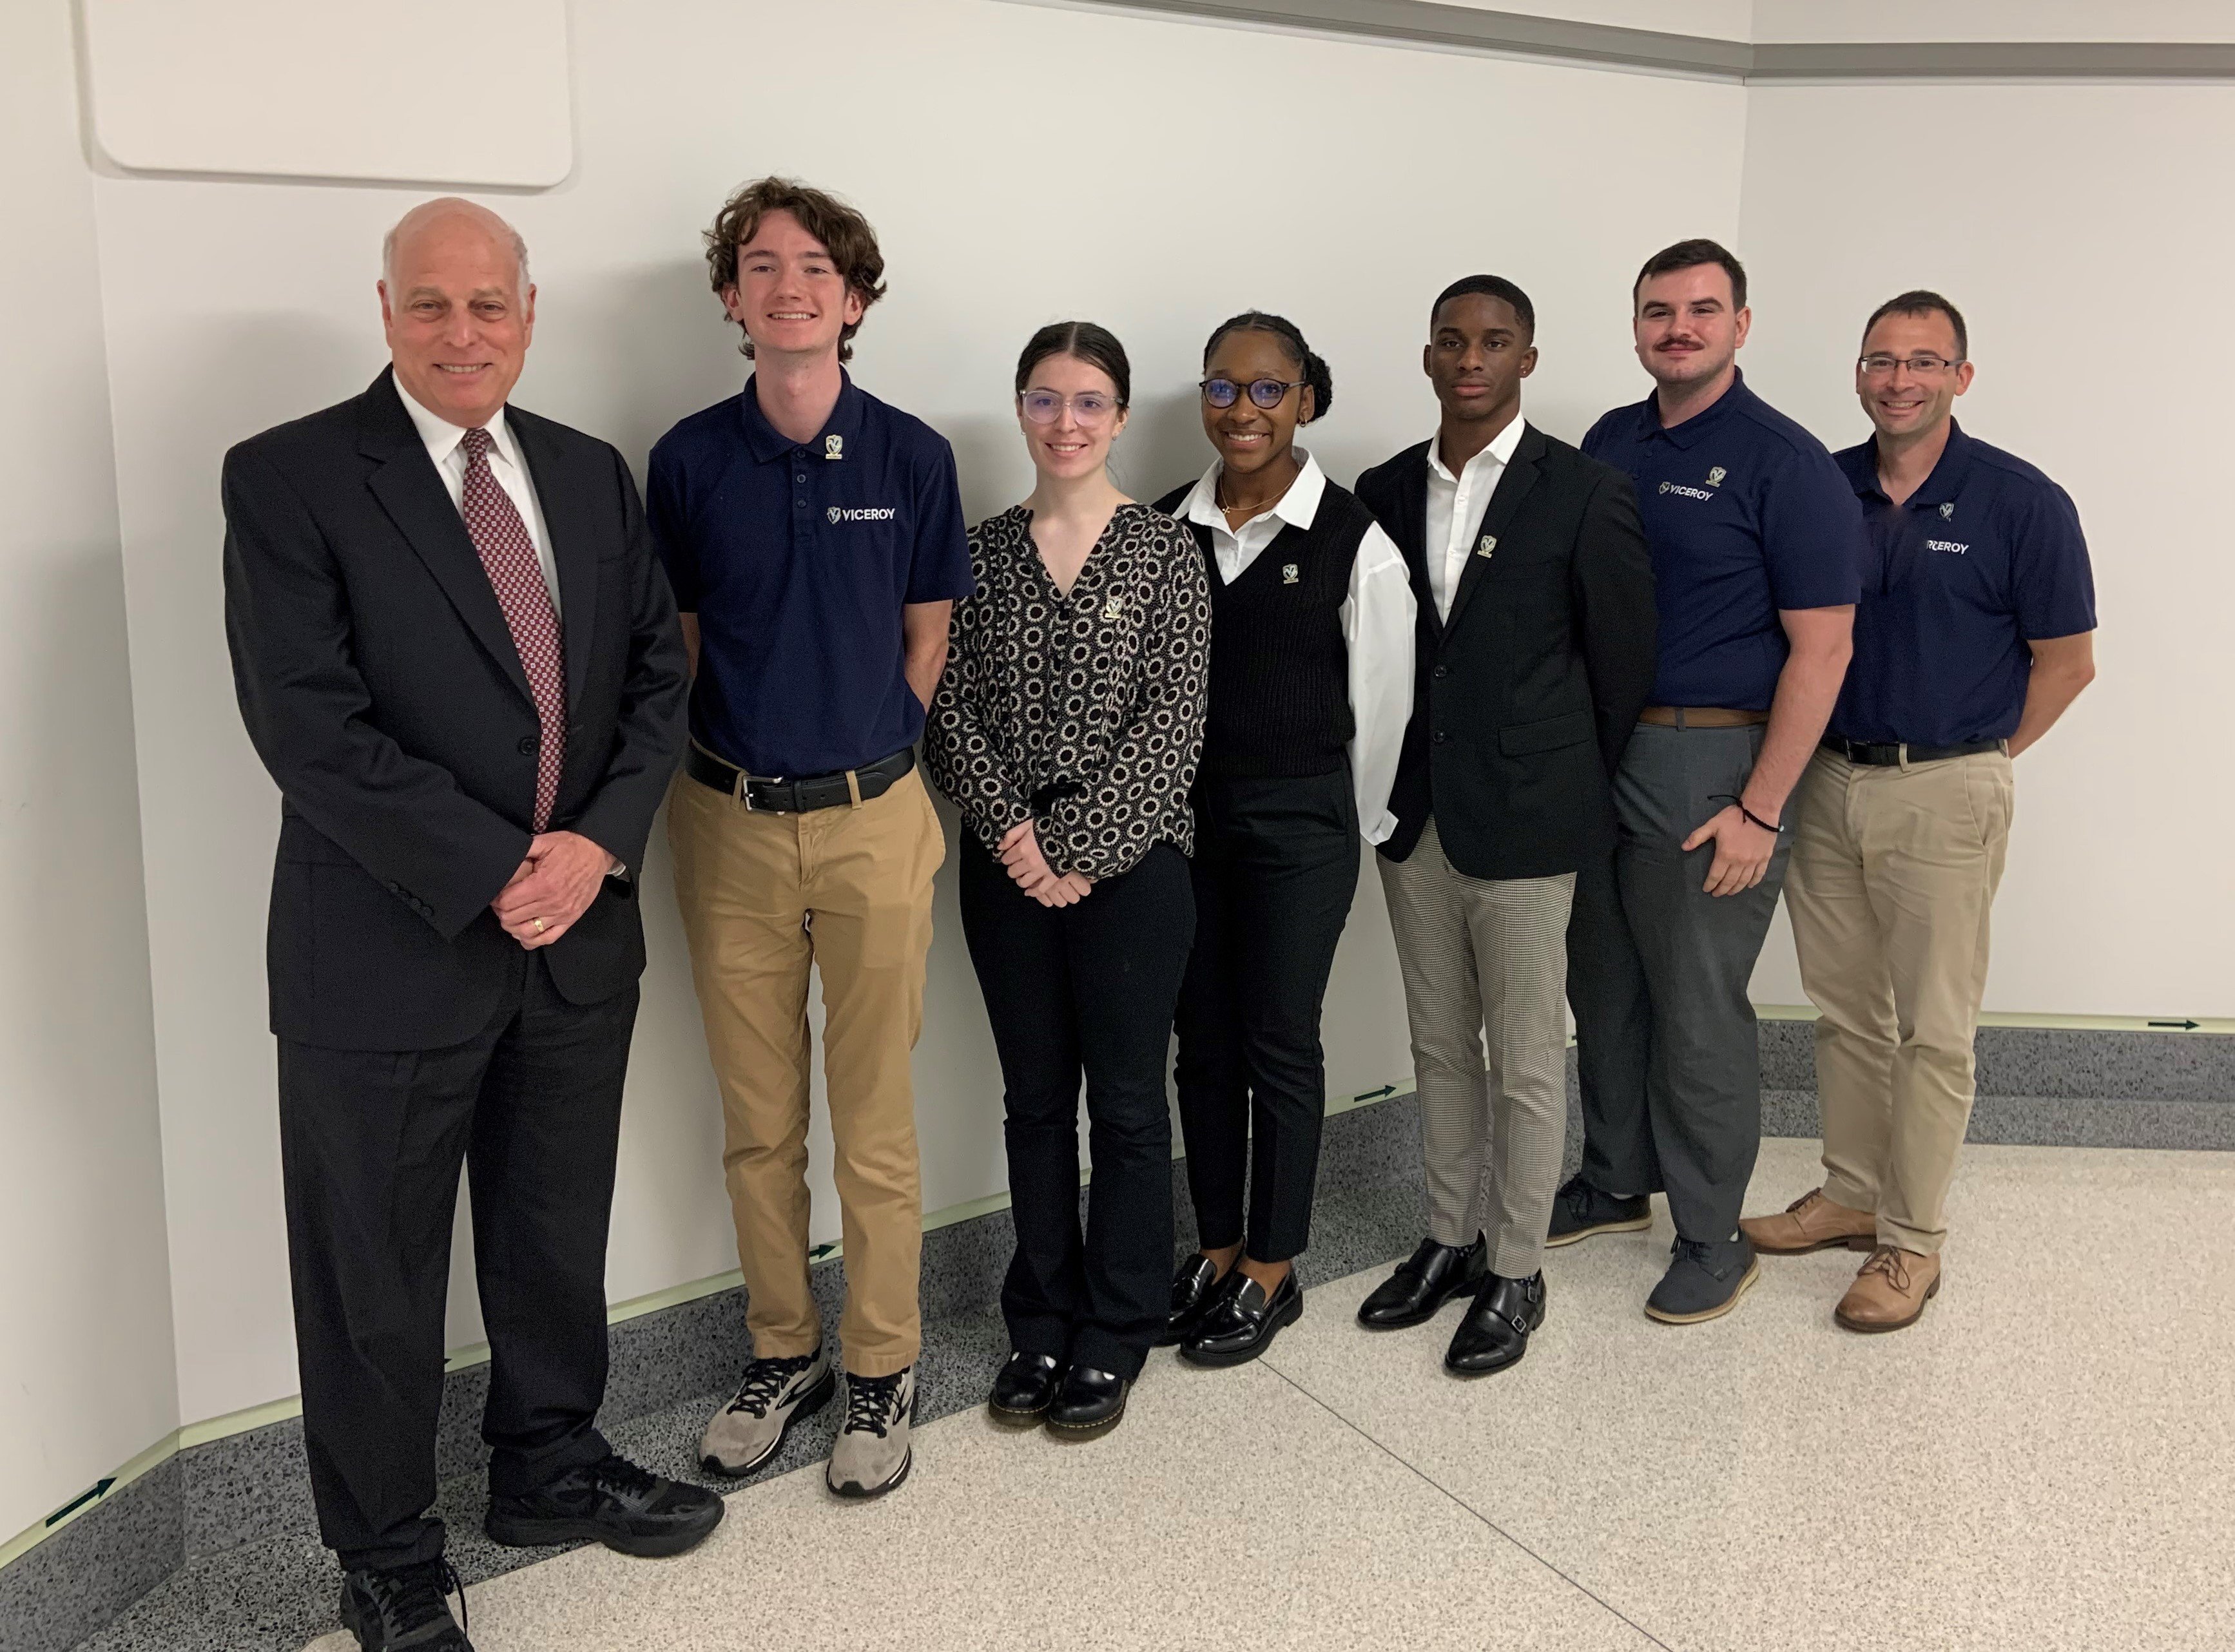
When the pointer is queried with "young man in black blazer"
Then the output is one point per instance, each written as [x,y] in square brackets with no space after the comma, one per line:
[457,657]
[1536,652]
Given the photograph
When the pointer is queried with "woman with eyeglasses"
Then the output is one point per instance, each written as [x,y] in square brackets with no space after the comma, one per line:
[1311,686]
[1066,729]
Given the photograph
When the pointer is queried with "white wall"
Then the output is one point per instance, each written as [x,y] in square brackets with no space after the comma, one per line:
[85,1313]
[1022,163]
[2081,231]
[1992,20]
[1153,176]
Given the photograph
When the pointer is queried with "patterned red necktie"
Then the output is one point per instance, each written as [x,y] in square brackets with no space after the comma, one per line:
[508,557]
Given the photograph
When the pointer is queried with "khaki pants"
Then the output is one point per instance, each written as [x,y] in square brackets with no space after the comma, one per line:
[764,896]
[1892,879]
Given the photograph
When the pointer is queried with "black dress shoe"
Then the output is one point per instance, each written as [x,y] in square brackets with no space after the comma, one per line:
[1193,1288]
[1089,1402]
[1494,1333]
[1024,1387]
[1423,1284]
[398,1608]
[1242,1320]
[613,1502]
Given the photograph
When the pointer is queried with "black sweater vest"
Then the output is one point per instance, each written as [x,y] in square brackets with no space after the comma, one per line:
[1280,670]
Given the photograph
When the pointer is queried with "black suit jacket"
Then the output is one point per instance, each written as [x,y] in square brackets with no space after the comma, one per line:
[1527,695]
[382,689]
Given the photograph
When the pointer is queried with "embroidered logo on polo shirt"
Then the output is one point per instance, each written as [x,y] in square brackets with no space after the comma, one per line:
[1949,546]
[1287,573]
[1682,492]
[862,512]
[1716,476]
[1948,512]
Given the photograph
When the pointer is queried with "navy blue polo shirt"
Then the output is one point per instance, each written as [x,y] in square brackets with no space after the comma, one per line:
[797,559]
[1983,558]
[1746,514]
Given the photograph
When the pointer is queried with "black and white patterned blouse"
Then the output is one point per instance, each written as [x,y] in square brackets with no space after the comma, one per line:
[1081,713]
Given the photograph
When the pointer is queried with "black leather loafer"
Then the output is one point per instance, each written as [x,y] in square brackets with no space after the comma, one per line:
[1193,1287]
[1243,1320]
[1089,1402]
[1494,1333]
[613,1502]
[1423,1284]
[1024,1389]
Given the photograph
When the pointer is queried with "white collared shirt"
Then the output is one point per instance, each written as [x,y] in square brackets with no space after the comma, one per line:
[1376,627]
[1455,508]
[445,446]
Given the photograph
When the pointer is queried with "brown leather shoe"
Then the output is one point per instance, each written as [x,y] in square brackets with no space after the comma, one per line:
[1891,1291]
[1812,1222]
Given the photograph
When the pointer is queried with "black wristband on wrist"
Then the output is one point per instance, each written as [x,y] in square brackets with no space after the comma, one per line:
[1740,804]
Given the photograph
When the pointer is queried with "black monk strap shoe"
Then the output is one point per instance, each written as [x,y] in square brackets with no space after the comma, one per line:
[1243,1320]
[613,1502]
[1194,1286]
[1423,1284]
[405,1608]
[1024,1389]
[1580,1210]
[1089,1403]
[1705,1280]
[1494,1333]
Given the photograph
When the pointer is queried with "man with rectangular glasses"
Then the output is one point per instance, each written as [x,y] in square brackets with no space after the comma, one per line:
[1974,633]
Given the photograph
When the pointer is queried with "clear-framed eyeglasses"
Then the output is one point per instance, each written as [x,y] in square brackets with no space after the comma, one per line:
[1089,407]
[1923,365]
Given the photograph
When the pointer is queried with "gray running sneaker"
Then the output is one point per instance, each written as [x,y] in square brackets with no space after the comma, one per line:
[872,1454]
[776,1393]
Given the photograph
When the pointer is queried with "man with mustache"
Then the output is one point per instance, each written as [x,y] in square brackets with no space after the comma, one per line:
[1974,632]
[1757,549]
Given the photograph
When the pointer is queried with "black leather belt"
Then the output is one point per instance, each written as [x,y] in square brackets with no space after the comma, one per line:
[1879,755]
[780,796]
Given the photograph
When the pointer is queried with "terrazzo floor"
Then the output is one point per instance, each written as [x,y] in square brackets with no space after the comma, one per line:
[2047,1461]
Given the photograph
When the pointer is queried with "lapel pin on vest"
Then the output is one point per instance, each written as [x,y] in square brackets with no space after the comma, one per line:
[1489,544]
[834,446]
[1113,608]
[1287,573]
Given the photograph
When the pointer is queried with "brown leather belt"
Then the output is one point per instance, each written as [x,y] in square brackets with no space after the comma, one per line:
[1700,717]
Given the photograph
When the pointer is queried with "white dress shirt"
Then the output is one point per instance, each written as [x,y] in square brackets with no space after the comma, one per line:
[1376,627]
[1455,508]
[444,446]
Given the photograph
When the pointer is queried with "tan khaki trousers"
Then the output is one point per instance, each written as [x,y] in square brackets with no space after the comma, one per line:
[1892,879]
[764,896]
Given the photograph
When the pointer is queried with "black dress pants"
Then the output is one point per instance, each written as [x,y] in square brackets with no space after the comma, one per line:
[1275,867]
[1085,989]
[370,1145]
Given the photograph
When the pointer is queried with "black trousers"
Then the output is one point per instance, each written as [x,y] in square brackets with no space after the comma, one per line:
[1275,867]
[1085,990]
[1666,1045]
[370,1145]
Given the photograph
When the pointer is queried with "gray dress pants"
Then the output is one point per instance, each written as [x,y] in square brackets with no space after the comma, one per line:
[1483,961]
[1657,972]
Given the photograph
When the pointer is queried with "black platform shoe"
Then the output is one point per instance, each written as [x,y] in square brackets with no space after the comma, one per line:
[1242,1320]
[1023,1389]
[1423,1284]
[1494,1333]
[1194,1286]
[1089,1403]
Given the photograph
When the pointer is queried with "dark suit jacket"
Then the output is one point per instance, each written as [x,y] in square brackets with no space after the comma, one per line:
[382,689]
[1525,696]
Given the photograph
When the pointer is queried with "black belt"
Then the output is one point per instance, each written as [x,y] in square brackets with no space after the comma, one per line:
[1880,754]
[780,796]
